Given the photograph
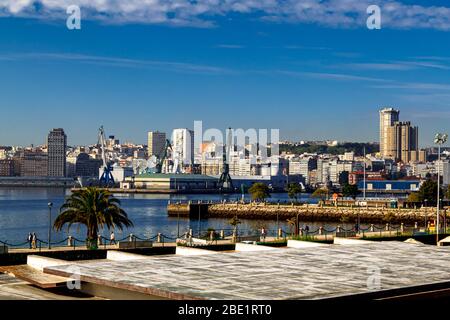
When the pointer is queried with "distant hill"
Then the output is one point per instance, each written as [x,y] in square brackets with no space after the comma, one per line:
[356,147]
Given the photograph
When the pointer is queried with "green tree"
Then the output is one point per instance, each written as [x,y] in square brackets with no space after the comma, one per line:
[294,191]
[414,197]
[259,191]
[292,223]
[94,208]
[350,190]
[234,222]
[320,193]
[428,192]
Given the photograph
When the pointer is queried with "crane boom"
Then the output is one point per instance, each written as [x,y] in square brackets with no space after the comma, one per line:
[106,179]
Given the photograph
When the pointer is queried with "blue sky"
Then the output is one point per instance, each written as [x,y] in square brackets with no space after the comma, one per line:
[319,74]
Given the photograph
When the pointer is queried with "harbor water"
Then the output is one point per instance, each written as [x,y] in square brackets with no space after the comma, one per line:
[24,210]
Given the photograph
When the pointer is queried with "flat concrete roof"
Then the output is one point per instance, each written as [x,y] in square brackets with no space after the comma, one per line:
[285,273]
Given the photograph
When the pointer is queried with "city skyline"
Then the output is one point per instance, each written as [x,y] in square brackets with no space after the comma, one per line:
[313,78]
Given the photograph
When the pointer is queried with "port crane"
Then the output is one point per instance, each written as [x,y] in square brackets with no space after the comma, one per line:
[106,179]
[156,163]
[225,182]
[164,156]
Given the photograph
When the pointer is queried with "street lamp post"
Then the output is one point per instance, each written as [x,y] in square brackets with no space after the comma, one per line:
[439,139]
[50,205]
[199,217]
[178,223]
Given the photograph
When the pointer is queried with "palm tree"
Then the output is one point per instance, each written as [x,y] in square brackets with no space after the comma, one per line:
[292,224]
[93,208]
[234,222]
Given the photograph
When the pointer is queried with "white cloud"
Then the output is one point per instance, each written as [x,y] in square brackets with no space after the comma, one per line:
[173,66]
[201,13]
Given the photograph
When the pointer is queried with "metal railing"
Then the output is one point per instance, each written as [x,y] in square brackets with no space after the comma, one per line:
[214,235]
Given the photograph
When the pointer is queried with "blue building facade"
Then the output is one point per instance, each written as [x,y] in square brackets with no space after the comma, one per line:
[390,185]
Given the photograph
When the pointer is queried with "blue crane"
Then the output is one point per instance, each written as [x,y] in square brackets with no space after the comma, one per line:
[106,179]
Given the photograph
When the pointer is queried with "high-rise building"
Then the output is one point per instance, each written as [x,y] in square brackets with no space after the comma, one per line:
[398,140]
[156,143]
[57,145]
[403,142]
[388,116]
[183,146]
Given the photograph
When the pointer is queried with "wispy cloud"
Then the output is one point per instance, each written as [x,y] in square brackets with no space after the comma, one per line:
[377,66]
[201,13]
[297,47]
[428,86]
[120,62]
[396,65]
[431,115]
[332,76]
[434,90]
[230,46]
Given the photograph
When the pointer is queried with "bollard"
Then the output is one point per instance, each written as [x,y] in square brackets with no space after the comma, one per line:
[415,225]
[372,228]
[131,237]
[158,238]
[69,241]
[402,227]
[99,240]
[320,231]
[222,234]
[280,233]
[387,226]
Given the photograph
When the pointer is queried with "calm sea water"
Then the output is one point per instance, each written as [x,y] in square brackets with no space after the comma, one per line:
[24,210]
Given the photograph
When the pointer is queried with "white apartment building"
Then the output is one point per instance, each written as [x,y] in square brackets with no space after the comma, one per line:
[183,146]
[446,172]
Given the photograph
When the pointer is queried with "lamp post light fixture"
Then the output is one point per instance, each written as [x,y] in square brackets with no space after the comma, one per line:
[439,139]
[50,205]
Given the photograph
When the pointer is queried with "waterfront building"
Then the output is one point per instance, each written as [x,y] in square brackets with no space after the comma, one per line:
[388,116]
[323,171]
[336,168]
[7,167]
[156,143]
[33,164]
[167,182]
[71,160]
[57,145]
[86,166]
[390,186]
[121,173]
[303,167]
[211,166]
